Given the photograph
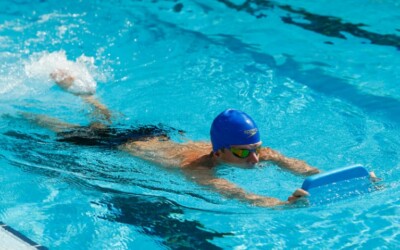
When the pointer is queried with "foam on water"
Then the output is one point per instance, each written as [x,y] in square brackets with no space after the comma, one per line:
[41,65]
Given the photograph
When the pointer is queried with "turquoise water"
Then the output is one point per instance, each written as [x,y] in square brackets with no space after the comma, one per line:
[320,78]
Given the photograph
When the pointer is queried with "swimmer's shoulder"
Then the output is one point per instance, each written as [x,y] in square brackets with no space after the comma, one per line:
[182,154]
[197,155]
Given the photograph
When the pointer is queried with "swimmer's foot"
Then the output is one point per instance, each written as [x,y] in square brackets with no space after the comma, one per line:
[63,78]
[66,81]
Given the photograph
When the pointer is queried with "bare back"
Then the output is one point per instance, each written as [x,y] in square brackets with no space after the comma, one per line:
[169,153]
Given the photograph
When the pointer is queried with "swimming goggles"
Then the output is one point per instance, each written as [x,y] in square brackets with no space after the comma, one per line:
[244,153]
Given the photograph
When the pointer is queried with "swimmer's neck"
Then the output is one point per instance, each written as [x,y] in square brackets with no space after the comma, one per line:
[205,161]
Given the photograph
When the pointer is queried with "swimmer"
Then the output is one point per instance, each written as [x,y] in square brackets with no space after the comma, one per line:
[235,140]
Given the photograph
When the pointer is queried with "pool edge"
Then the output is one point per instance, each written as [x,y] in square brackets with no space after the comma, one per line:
[19,236]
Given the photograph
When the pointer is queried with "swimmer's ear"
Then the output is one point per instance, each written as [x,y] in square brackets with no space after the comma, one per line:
[217,154]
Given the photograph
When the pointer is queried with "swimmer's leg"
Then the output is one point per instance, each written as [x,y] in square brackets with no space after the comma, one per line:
[65,80]
[51,123]
[100,110]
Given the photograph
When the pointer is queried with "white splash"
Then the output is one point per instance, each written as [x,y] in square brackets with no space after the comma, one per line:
[41,65]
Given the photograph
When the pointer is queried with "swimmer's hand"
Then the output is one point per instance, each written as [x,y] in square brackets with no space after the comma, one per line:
[299,193]
[373,177]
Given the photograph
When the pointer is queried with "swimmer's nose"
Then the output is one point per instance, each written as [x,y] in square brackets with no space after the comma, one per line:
[253,158]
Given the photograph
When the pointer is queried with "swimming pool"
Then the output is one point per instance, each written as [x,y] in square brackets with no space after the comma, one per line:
[320,81]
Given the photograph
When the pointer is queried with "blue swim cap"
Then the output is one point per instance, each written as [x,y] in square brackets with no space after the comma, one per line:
[233,127]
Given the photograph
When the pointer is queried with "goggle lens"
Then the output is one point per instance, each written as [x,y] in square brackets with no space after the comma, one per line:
[244,153]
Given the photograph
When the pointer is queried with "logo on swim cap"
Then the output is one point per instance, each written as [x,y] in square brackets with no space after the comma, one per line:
[233,127]
[251,132]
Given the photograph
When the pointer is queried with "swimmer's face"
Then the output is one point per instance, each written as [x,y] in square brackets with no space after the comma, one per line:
[237,155]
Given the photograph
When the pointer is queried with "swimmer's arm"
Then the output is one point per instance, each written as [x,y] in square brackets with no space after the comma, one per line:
[65,80]
[291,164]
[205,177]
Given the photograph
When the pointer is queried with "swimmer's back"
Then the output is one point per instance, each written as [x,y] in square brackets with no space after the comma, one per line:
[167,152]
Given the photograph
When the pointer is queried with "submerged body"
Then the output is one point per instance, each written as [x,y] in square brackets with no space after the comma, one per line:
[197,160]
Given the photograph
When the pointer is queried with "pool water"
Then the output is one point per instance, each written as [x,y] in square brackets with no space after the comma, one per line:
[320,78]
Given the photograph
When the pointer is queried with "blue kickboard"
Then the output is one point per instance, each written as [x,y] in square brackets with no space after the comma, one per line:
[337,175]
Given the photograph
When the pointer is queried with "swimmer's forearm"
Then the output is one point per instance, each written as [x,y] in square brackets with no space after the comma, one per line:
[291,164]
[205,177]
[230,190]
[298,166]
